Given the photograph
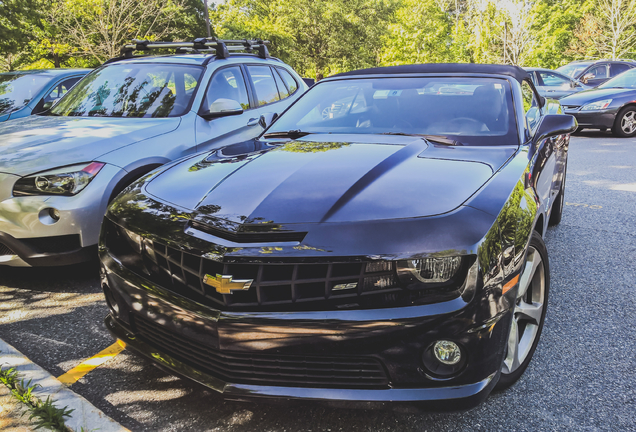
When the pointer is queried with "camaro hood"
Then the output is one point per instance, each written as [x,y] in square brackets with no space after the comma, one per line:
[38,143]
[592,95]
[339,180]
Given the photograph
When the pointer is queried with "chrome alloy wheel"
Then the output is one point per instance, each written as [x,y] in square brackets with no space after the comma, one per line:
[528,313]
[628,122]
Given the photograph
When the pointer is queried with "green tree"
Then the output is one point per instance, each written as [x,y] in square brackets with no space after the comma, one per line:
[317,37]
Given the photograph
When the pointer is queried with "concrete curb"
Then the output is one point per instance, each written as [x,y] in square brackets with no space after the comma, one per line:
[85,415]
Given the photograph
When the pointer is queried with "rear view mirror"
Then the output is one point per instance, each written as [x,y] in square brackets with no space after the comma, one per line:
[222,108]
[556,124]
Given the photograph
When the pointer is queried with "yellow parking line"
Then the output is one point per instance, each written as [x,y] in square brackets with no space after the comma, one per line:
[88,365]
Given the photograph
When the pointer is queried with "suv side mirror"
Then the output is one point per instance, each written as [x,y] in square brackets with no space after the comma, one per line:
[555,124]
[222,108]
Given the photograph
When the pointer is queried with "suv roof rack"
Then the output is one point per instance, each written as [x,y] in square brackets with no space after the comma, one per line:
[220,47]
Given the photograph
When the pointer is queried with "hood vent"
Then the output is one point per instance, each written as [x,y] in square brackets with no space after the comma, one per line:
[251,233]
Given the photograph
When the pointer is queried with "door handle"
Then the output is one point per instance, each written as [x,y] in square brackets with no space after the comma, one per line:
[253,121]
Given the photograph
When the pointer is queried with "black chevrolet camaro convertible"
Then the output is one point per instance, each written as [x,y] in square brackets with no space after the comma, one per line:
[380,242]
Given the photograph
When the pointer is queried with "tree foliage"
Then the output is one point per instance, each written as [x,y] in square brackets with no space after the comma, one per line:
[323,37]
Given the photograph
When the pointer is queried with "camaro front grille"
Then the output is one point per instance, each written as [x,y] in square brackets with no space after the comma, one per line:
[273,285]
[267,286]
[5,250]
[265,369]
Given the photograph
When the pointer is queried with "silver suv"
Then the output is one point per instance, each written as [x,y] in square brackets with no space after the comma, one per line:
[59,170]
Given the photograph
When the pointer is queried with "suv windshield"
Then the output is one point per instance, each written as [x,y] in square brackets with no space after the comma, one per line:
[132,90]
[624,80]
[472,110]
[17,90]
[573,70]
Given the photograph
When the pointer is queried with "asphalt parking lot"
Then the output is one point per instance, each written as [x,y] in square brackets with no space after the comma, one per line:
[581,378]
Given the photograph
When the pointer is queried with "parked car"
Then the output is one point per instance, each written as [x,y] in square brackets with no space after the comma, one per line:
[23,93]
[611,105]
[59,170]
[552,84]
[595,72]
[382,241]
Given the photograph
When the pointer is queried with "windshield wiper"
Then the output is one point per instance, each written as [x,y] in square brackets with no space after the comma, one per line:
[438,139]
[293,134]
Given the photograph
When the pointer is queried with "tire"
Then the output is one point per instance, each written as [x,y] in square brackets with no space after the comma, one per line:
[529,313]
[557,207]
[625,123]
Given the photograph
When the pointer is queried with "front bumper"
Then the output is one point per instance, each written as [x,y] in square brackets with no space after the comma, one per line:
[454,397]
[395,337]
[26,227]
[594,119]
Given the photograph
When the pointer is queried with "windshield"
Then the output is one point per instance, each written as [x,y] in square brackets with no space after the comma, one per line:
[573,70]
[469,110]
[625,80]
[132,90]
[17,90]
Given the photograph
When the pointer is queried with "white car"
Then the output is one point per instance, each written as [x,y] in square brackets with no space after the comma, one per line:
[59,170]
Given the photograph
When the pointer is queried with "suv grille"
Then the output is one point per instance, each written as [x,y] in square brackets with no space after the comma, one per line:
[265,369]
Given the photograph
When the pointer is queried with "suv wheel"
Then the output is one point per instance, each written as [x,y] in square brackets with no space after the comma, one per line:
[625,124]
[528,315]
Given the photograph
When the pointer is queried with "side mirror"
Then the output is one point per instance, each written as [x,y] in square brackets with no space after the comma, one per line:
[542,101]
[267,119]
[574,84]
[555,124]
[222,108]
[49,104]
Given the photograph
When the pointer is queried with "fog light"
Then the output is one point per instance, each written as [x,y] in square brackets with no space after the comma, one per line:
[447,352]
[443,360]
[55,214]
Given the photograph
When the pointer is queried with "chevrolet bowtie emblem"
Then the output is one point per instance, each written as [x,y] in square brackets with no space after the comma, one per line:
[225,285]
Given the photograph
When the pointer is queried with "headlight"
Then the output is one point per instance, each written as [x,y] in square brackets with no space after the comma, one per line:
[595,106]
[69,180]
[428,270]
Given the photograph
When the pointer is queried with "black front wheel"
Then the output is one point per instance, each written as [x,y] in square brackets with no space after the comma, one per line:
[529,313]
[625,123]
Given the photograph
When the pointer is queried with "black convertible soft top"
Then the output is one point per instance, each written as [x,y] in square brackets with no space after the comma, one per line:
[463,68]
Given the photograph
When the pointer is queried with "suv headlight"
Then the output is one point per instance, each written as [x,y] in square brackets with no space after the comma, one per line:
[595,106]
[68,180]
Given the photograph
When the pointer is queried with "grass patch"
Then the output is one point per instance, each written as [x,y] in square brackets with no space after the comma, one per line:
[44,414]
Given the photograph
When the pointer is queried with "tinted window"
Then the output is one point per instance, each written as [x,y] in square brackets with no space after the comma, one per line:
[17,90]
[625,80]
[264,84]
[227,83]
[292,85]
[132,90]
[61,89]
[573,69]
[530,108]
[282,90]
[597,72]
[553,80]
[618,68]
[471,110]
